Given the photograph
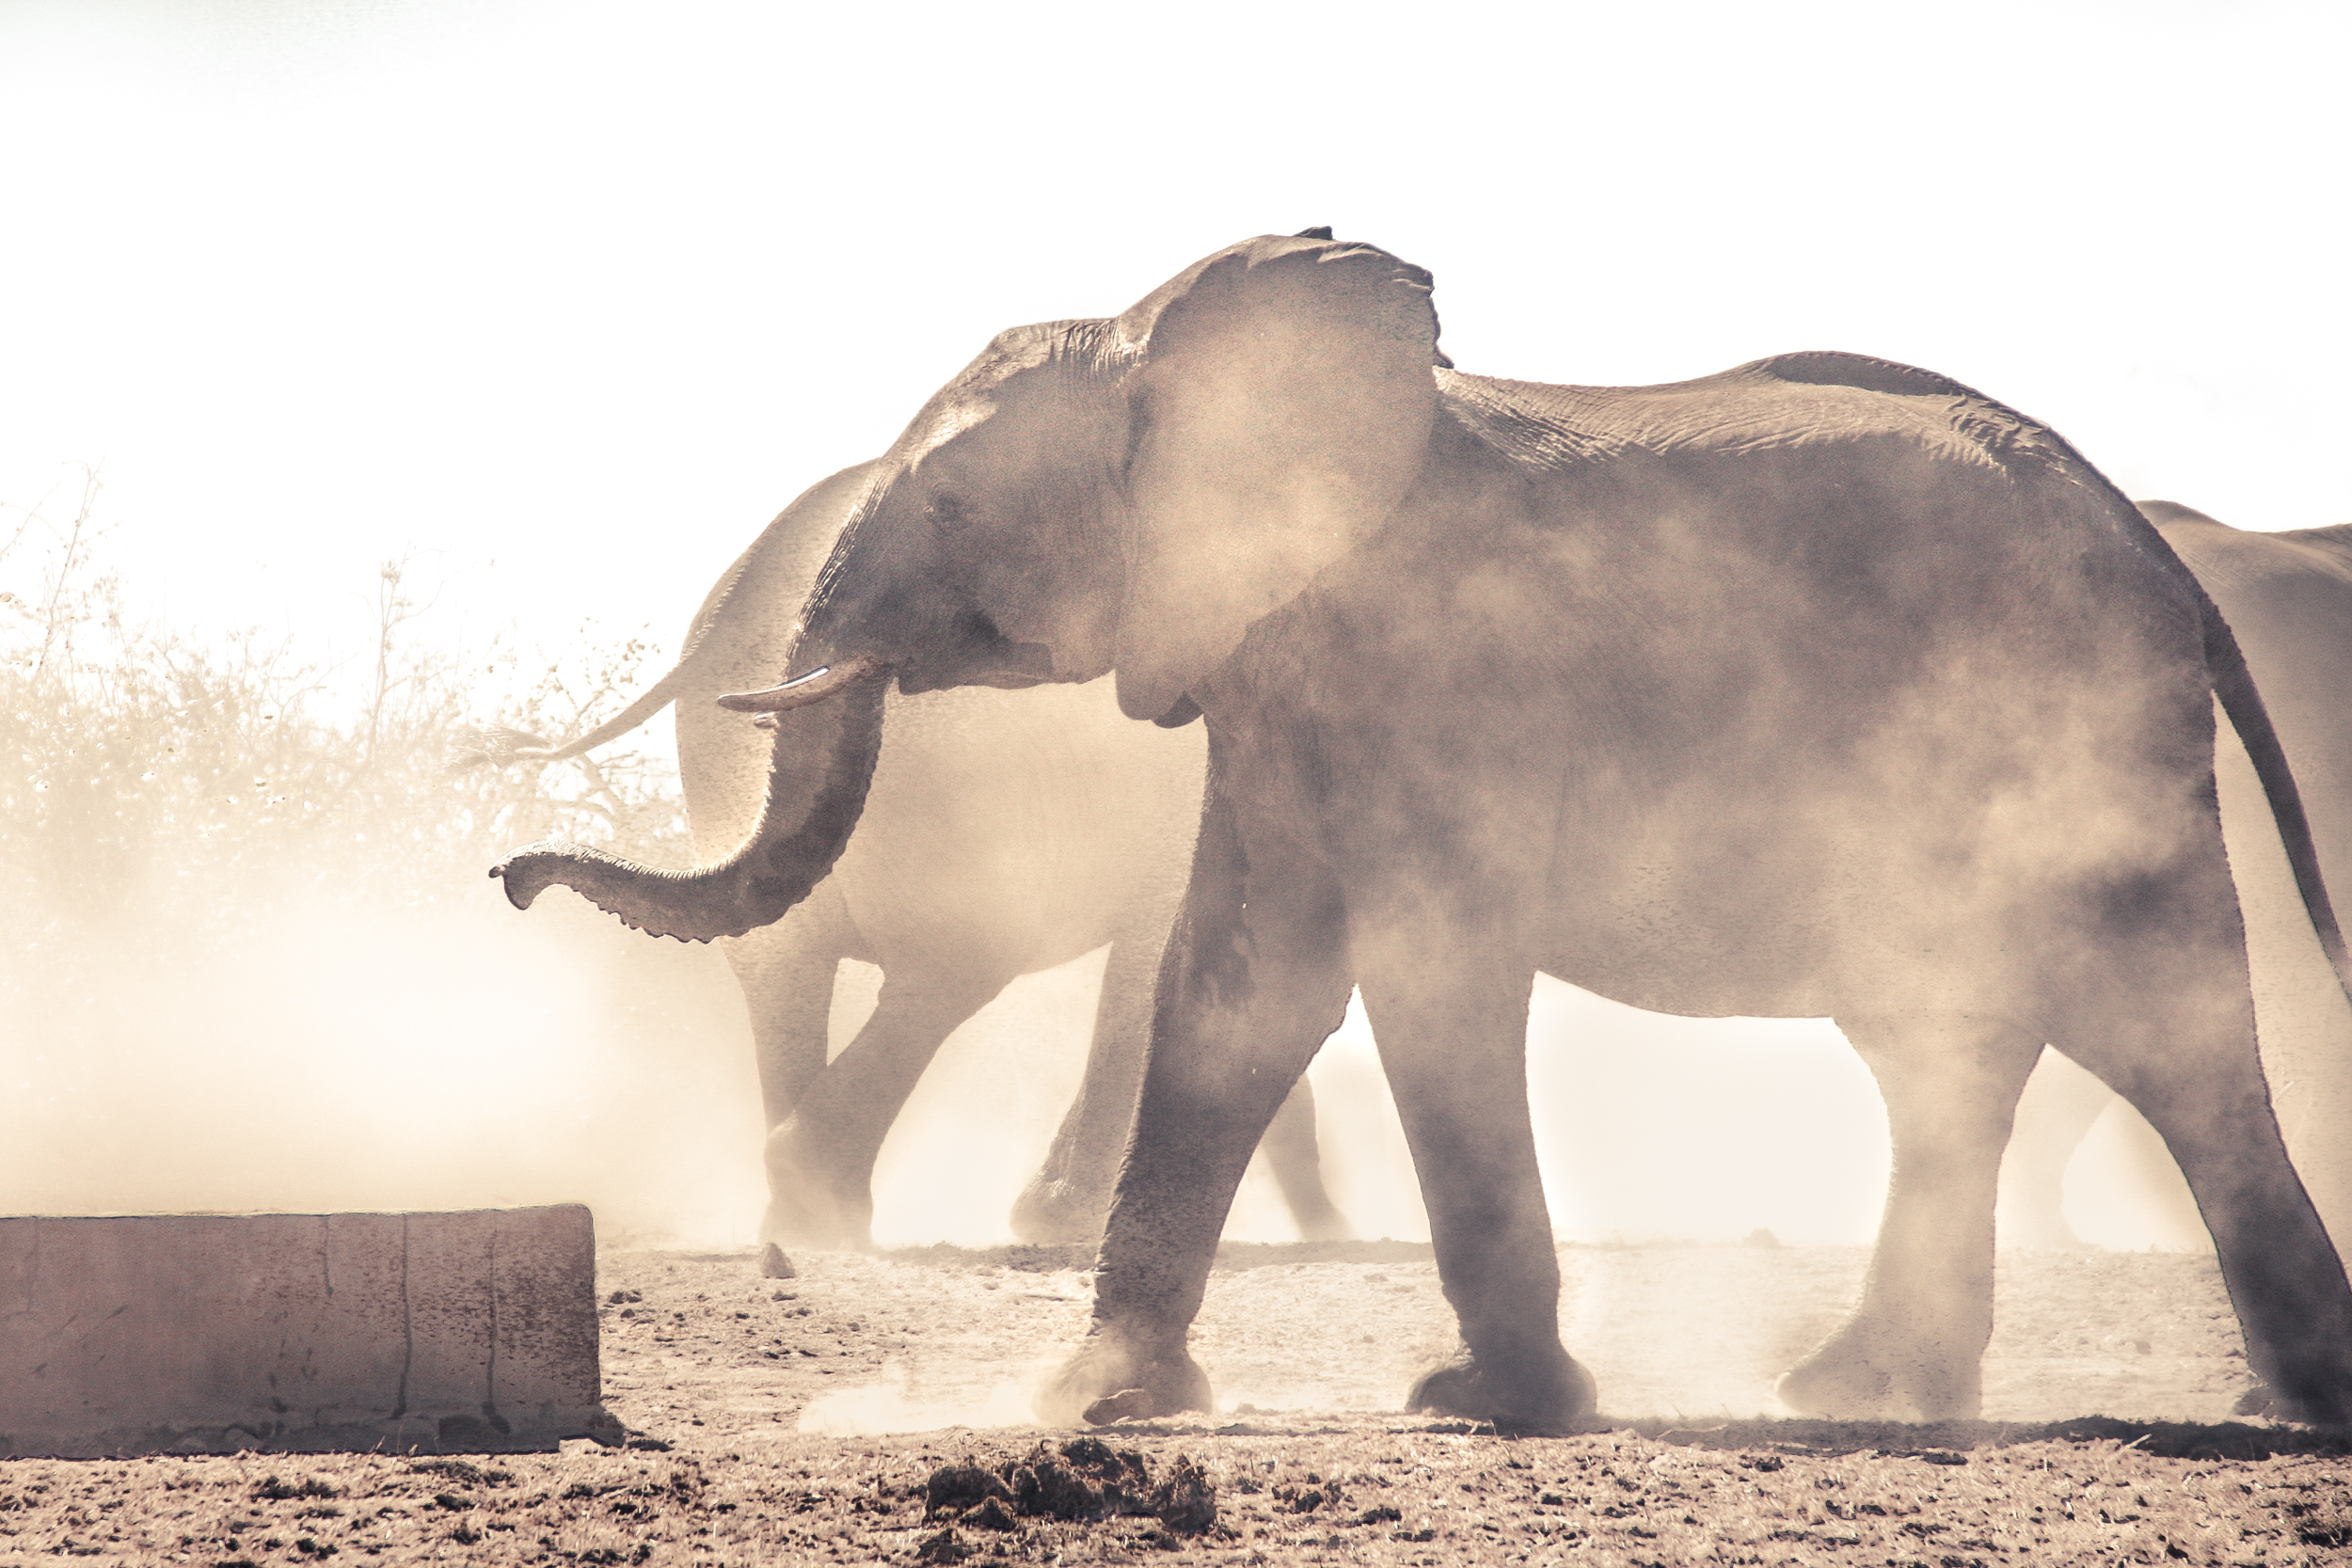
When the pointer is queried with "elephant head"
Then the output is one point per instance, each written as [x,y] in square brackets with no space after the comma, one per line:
[1122,496]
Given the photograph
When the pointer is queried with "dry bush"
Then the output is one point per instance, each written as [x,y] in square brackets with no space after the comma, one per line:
[155,781]
[249,955]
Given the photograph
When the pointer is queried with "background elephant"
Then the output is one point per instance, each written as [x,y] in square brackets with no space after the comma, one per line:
[1823,686]
[2288,599]
[1004,835]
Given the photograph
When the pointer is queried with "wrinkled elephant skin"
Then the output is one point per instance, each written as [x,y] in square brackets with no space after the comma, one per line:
[1820,686]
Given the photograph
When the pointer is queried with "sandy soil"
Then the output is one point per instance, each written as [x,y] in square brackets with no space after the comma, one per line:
[805,1420]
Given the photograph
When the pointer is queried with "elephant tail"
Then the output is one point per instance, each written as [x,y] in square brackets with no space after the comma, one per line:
[2234,685]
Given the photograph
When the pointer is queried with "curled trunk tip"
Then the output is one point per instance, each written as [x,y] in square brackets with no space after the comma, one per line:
[801,834]
[646,898]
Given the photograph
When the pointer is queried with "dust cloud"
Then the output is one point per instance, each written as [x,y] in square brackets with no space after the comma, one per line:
[447,1052]
[249,961]
[1651,1130]
[439,1055]
[886,1406]
[253,964]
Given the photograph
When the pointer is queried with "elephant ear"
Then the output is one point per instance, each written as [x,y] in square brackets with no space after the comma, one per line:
[1281,403]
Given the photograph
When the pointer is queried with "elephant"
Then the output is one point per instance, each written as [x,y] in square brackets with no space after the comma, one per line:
[1003,835]
[2287,597]
[1821,686]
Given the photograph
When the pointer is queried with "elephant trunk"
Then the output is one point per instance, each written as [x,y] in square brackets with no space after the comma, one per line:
[824,762]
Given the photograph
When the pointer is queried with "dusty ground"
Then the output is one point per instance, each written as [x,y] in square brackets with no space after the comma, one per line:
[761,1408]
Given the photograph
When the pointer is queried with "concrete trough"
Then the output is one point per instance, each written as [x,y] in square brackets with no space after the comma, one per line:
[440,1333]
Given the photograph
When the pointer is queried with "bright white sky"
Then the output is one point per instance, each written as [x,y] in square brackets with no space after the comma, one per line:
[588,290]
[577,293]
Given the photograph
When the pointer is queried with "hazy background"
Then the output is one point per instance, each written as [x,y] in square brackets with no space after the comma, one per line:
[563,301]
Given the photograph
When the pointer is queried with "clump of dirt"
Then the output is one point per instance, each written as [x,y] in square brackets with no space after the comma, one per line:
[1084,1481]
[462,1473]
[278,1491]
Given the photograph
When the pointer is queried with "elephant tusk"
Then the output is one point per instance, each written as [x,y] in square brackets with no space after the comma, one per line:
[815,687]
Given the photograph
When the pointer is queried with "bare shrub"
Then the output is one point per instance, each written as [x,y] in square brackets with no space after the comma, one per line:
[248,955]
[151,777]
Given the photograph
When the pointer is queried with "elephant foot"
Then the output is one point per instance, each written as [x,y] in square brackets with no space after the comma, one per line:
[806,1221]
[1113,1377]
[2267,1402]
[811,1205]
[2308,1386]
[1856,1377]
[2264,1401]
[1055,1214]
[1547,1393]
[806,1215]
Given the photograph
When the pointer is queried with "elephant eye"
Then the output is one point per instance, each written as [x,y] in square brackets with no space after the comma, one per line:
[945,511]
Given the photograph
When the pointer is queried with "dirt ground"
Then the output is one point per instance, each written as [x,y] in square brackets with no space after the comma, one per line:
[844,1416]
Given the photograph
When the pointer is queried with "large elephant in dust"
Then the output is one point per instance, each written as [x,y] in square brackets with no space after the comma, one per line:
[1820,686]
[2287,597]
[1004,833]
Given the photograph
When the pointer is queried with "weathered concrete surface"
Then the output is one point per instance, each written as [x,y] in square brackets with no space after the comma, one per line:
[464,1332]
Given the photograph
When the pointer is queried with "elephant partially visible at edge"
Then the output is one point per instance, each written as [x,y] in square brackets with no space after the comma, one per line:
[2287,597]
[1004,835]
[1823,686]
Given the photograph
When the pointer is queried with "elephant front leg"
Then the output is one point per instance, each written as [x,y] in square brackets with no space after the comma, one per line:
[1914,1349]
[1296,1156]
[1449,1014]
[1254,979]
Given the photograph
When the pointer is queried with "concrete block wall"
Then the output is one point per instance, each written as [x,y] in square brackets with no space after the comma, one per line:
[468,1332]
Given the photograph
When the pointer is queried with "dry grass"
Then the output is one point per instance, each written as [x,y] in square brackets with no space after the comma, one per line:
[160,786]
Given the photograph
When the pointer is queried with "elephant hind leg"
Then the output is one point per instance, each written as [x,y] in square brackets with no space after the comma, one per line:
[2211,1107]
[1296,1160]
[1914,1347]
[787,972]
[820,1160]
[2059,1104]
[1065,1201]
